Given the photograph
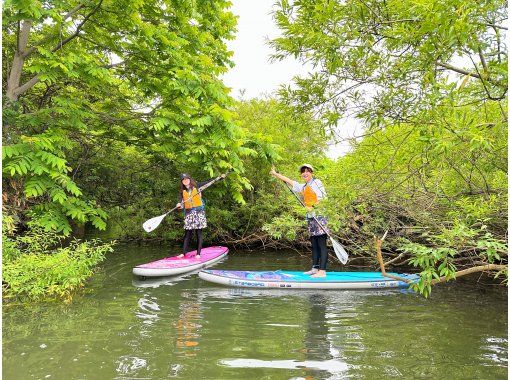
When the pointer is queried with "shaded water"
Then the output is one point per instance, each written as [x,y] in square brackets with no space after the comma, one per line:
[183,327]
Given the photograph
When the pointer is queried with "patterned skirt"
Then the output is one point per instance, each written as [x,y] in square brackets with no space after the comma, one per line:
[195,220]
[314,229]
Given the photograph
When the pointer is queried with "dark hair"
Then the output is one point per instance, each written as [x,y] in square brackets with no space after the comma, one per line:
[305,168]
[192,184]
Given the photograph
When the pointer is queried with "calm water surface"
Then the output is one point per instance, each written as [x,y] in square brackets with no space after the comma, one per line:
[183,327]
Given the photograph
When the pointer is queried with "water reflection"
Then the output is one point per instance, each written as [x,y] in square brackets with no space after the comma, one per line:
[130,364]
[188,324]
[182,327]
[319,354]
[331,366]
[149,309]
[319,346]
[156,282]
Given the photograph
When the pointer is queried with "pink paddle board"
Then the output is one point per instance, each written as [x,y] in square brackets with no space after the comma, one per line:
[173,265]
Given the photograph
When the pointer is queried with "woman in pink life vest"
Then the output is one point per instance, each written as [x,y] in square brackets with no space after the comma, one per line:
[312,191]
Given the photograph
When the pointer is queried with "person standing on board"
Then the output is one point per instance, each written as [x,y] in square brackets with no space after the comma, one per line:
[312,191]
[194,210]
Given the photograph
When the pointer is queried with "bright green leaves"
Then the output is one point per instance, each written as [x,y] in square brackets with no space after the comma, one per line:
[38,161]
[436,258]
[433,149]
[37,266]
[161,123]
[24,10]
[36,186]
[143,74]
[52,161]
[58,195]
[202,121]
[18,165]
[392,52]
[283,227]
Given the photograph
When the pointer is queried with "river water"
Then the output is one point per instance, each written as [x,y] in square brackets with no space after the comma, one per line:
[183,327]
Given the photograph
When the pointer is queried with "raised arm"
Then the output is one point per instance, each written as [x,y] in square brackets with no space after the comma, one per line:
[204,185]
[282,177]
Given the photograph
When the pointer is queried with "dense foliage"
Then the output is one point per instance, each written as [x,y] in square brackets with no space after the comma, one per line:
[107,102]
[39,264]
[107,79]
[428,79]
[83,78]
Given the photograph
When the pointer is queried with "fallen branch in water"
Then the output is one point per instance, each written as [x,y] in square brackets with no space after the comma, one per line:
[378,244]
[480,268]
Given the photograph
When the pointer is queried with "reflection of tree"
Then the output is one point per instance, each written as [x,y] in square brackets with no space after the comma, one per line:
[187,325]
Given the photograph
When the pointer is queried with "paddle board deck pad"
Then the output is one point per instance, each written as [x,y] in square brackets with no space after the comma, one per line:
[298,280]
[173,265]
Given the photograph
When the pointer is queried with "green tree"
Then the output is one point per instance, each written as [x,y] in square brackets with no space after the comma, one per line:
[80,76]
[428,80]
[94,89]
[285,138]
[387,60]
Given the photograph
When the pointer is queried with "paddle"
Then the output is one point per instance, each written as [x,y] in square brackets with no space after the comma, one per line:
[151,224]
[337,247]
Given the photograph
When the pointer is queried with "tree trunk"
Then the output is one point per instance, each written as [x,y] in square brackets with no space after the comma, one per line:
[18,60]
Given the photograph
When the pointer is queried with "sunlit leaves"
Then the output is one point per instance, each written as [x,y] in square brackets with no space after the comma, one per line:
[394,58]
[141,73]
[38,159]
[36,266]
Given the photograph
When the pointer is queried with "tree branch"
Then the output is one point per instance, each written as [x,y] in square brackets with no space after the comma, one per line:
[458,70]
[25,87]
[401,20]
[20,90]
[378,244]
[47,38]
[496,26]
[482,60]
[465,72]
[481,268]
[78,28]
[18,60]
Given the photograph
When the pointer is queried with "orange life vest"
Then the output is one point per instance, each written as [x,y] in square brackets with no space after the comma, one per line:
[309,197]
[193,200]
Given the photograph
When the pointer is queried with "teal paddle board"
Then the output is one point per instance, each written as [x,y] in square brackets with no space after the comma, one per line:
[298,280]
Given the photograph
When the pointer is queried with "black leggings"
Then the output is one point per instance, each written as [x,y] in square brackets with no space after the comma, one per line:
[319,251]
[187,237]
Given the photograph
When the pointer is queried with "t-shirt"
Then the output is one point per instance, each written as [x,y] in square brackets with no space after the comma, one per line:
[315,184]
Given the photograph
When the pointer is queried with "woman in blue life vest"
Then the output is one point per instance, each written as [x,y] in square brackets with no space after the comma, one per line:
[311,191]
[194,211]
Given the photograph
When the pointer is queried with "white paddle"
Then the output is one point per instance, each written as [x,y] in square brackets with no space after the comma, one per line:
[151,224]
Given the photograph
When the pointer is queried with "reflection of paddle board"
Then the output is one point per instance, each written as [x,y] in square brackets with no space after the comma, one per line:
[170,266]
[298,280]
[156,282]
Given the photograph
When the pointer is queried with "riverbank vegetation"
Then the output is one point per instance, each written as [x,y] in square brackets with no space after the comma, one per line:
[106,103]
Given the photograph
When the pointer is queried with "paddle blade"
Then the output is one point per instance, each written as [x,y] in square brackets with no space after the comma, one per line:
[340,251]
[151,224]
